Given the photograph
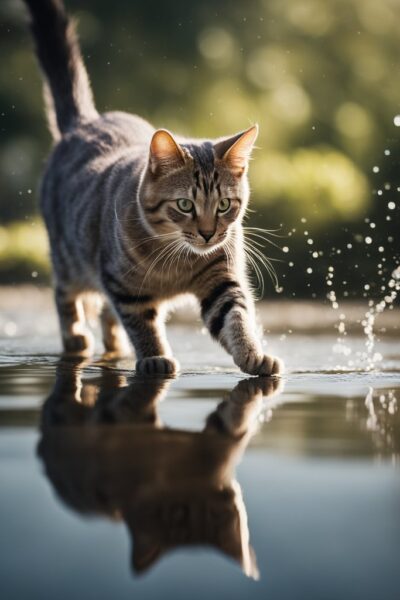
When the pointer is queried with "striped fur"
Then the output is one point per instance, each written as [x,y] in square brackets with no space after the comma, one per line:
[111,199]
[181,492]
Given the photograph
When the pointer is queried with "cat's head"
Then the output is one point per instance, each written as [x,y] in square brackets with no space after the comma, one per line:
[197,517]
[194,192]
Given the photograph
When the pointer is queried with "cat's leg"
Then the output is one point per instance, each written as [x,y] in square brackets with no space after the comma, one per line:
[146,331]
[75,336]
[136,403]
[114,337]
[228,313]
[238,414]
[65,404]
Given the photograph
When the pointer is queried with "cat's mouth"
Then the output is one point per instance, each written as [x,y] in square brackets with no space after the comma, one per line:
[203,247]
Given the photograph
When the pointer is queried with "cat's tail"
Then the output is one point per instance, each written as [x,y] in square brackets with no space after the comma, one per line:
[68,95]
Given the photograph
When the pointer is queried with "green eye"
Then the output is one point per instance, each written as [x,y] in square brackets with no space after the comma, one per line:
[185,205]
[224,205]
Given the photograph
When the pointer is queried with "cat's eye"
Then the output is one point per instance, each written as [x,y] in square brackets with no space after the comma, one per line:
[224,205]
[185,205]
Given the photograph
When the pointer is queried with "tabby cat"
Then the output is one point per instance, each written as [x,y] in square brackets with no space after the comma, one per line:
[140,217]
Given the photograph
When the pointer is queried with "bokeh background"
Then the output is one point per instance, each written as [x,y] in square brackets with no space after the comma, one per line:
[321,77]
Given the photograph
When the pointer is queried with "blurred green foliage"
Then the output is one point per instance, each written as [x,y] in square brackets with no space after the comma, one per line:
[320,76]
[24,252]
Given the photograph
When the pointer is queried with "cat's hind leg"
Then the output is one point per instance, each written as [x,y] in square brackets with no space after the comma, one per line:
[115,339]
[75,335]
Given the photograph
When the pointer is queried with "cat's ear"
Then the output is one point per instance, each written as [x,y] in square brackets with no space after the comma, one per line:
[165,152]
[235,151]
[145,553]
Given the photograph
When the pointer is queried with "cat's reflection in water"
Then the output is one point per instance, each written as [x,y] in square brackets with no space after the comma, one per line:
[106,451]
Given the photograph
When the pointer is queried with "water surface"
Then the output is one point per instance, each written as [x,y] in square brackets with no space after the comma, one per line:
[212,484]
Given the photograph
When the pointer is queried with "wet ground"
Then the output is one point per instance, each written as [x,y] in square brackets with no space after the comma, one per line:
[210,485]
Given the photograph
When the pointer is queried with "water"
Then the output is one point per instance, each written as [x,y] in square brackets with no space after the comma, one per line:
[209,485]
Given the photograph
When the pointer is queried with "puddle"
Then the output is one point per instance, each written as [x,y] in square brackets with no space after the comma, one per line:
[212,483]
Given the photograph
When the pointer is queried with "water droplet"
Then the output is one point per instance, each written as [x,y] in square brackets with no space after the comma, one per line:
[391,205]
[10,328]
[368,240]
[396,273]
[396,120]
[285,249]
[375,169]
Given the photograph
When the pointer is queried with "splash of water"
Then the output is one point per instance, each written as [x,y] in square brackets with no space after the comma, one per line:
[341,347]
[372,420]
[379,420]
[375,309]
[368,359]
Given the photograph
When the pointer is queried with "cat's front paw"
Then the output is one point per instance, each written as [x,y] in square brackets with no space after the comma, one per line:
[157,365]
[254,363]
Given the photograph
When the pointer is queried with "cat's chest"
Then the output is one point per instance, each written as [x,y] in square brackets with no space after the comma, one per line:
[162,274]
[167,281]
[158,284]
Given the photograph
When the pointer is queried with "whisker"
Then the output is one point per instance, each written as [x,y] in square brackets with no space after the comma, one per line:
[258,273]
[262,257]
[161,250]
[265,239]
[162,253]
[153,237]
[262,230]
[257,255]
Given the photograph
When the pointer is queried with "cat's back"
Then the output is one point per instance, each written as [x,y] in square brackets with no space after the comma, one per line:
[81,173]
[91,149]
[131,129]
[111,133]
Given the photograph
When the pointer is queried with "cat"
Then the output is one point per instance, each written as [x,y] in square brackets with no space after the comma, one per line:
[171,487]
[140,216]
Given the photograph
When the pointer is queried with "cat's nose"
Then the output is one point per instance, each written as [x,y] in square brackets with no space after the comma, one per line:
[207,235]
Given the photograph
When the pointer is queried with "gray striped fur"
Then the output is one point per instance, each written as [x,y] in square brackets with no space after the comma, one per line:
[109,199]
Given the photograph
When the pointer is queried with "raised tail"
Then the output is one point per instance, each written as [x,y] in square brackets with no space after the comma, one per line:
[70,99]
